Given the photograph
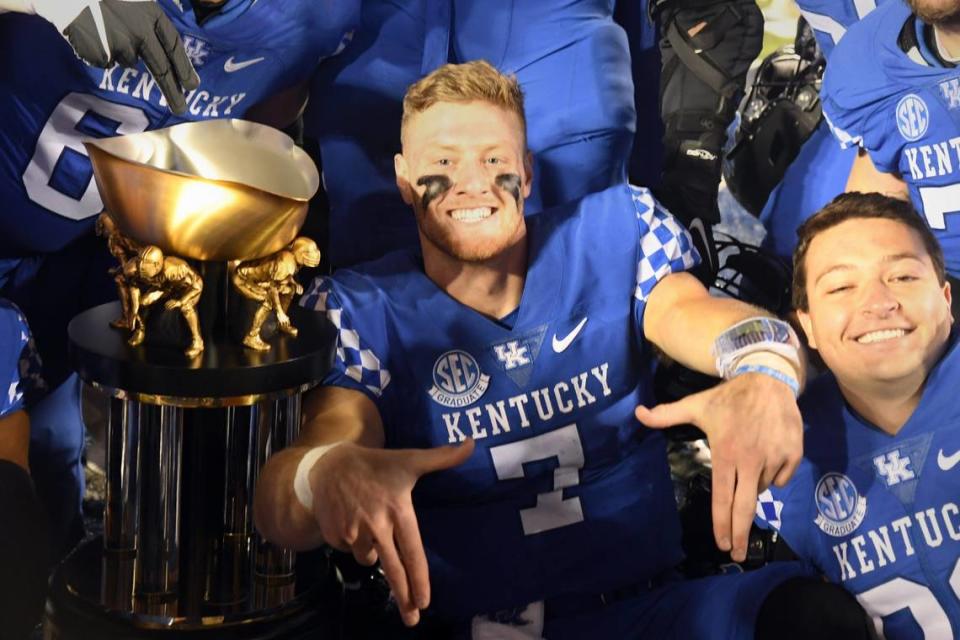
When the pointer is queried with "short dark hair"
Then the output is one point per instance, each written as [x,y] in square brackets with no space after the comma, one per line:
[854,206]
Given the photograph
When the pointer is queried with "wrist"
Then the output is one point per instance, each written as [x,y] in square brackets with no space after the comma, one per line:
[752,337]
[302,485]
[781,374]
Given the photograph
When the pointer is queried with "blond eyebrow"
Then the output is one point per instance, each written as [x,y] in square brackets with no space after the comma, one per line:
[893,257]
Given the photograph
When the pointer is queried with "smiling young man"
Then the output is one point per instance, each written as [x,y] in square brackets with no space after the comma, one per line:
[874,505]
[499,369]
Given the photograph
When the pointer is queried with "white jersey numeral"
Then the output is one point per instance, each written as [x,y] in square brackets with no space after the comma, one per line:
[552,511]
[59,137]
[900,593]
[938,202]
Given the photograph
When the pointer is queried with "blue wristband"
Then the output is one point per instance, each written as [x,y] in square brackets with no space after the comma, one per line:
[790,381]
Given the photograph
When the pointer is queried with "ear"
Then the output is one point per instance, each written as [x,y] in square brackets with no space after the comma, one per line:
[528,172]
[402,172]
[948,294]
[807,325]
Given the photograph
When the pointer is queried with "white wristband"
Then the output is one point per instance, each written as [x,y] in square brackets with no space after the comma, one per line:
[301,480]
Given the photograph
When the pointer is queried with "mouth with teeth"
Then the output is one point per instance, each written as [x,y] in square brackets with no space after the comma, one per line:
[882,335]
[471,215]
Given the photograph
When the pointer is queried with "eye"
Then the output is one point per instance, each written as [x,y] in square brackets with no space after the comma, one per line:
[444,162]
[839,288]
[494,160]
[905,277]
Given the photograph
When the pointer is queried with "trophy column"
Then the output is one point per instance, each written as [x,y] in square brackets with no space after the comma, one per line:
[186,439]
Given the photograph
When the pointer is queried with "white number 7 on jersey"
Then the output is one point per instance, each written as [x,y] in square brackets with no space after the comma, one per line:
[551,510]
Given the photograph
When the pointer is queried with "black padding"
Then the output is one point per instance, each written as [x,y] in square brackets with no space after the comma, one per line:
[805,608]
[23,553]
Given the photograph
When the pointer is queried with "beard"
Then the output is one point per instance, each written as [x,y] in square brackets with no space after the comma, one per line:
[465,247]
[936,13]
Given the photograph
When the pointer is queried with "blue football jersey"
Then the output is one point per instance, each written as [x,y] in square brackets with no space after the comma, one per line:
[905,113]
[50,100]
[830,19]
[20,380]
[565,491]
[571,60]
[879,514]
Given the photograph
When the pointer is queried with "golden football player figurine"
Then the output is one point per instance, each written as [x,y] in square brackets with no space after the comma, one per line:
[150,276]
[122,248]
[270,281]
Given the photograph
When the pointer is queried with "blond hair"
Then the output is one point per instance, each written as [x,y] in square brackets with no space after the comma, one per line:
[468,82]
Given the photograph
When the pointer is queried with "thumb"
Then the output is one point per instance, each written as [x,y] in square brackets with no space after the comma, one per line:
[440,458]
[669,414]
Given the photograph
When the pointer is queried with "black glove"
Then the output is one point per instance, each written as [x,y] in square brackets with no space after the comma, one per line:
[123,31]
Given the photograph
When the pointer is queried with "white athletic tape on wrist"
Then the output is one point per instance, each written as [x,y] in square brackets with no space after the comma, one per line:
[755,335]
[301,480]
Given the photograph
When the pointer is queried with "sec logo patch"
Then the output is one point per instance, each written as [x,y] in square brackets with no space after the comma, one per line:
[457,379]
[840,506]
[913,117]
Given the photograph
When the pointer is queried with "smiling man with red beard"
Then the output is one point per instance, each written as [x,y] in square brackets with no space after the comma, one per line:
[874,505]
[476,434]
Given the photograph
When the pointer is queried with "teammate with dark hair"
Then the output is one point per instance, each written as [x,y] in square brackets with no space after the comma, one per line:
[874,504]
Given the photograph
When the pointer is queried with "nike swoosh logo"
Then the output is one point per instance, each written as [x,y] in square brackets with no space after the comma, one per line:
[948,462]
[230,66]
[559,346]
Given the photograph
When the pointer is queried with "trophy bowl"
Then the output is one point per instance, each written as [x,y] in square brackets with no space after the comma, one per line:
[214,190]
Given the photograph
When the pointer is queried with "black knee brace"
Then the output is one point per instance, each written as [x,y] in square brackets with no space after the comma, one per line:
[707,47]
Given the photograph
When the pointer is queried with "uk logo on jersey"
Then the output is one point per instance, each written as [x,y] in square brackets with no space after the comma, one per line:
[892,468]
[516,356]
[512,354]
[950,90]
[197,50]
[900,466]
[913,117]
[840,506]
[457,380]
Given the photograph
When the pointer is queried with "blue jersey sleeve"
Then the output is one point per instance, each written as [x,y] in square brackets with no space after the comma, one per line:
[665,246]
[358,364]
[857,91]
[21,365]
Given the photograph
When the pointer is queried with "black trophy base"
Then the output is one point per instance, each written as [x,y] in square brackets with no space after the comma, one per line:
[75,608]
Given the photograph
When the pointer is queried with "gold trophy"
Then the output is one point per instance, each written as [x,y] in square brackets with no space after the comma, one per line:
[205,357]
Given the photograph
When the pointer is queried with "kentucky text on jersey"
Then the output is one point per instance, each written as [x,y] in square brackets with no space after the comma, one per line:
[140,84]
[495,418]
[887,543]
[934,160]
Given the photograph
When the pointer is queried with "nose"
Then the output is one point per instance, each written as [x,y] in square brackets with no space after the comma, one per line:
[471,178]
[878,299]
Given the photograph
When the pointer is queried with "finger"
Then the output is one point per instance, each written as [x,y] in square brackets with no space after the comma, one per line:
[363,551]
[439,458]
[407,536]
[183,69]
[669,414]
[397,577]
[783,475]
[159,65]
[744,509]
[724,480]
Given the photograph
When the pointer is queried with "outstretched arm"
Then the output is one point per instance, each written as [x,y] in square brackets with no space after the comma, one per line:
[751,421]
[359,494]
